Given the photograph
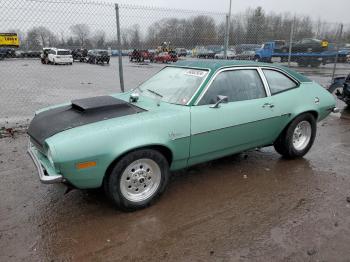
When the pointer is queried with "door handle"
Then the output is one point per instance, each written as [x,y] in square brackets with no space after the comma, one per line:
[268,105]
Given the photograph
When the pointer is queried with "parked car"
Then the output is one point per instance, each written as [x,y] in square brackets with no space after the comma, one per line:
[245,47]
[205,53]
[32,54]
[60,56]
[96,56]
[306,45]
[246,55]
[3,53]
[165,57]
[141,55]
[230,55]
[173,55]
[188,113]
[7,52]
[340,88]
[181,52]
[246,51]
[80,54]
[19,53]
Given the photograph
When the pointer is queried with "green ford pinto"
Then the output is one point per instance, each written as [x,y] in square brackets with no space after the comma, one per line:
[187,113]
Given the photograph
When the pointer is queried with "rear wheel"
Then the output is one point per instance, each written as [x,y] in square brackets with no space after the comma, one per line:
[138,179]
[298,137]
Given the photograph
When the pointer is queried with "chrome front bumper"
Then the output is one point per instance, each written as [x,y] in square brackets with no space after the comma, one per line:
[335,110]
[44,176]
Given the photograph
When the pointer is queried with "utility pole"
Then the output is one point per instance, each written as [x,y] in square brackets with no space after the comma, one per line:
[227,34]
[337,49]
[120,58]
[291,41]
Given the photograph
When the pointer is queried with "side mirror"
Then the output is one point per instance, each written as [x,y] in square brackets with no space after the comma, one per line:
[221,99]
[133,97]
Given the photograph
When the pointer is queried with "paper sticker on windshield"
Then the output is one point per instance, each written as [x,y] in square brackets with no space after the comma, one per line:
[194,72]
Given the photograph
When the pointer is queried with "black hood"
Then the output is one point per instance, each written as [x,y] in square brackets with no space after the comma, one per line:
[80,112]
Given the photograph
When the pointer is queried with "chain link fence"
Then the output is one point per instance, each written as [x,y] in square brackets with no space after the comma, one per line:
[147,39]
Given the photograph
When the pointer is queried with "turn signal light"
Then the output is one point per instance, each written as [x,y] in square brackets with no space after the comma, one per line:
[85,165]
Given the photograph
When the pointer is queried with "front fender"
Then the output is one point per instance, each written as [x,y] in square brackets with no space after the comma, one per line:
[103,142]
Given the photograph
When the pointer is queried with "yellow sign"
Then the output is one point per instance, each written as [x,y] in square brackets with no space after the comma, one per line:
[9,39]
[324,43]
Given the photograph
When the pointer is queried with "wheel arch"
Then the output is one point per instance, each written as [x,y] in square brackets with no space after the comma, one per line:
[314,113]
[164,150]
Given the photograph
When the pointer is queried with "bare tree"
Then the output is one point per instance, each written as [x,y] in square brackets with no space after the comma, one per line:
[99,39]
[82,32]
[32,40]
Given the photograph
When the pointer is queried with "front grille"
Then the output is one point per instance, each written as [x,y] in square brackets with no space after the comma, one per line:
[37,146]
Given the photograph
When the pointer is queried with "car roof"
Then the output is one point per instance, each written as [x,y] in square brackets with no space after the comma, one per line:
[215,65]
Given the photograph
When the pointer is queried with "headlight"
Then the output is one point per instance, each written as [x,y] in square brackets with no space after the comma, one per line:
[49,157]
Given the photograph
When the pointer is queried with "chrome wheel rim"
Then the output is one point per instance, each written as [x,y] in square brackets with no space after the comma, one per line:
[140,180]
[302,135]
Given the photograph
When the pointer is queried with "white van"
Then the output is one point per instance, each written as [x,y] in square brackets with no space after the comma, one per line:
[60,56]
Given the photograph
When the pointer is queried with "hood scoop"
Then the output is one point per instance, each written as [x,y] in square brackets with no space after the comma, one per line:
[98,103]
[80,112]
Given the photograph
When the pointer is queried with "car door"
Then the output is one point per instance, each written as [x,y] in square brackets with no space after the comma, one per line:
[249,119]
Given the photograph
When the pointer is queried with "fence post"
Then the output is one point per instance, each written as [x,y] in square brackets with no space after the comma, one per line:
[226,37]
[227,29]
[120,57]
[291,41]
[337,51]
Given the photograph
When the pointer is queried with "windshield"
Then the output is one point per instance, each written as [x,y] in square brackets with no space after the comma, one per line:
[174,84]
[66,52]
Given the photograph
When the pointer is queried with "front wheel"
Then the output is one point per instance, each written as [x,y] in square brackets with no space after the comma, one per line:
[297,138]
[138,179]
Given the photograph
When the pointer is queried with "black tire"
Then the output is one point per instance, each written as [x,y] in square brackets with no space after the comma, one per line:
[284,143]
[112,183]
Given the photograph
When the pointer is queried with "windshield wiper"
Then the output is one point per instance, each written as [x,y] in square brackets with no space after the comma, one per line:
[154,92]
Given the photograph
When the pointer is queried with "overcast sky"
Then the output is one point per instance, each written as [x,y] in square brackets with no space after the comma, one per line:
[328,10]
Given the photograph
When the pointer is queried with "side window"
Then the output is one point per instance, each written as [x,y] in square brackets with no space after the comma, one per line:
[277,81]
[237,85]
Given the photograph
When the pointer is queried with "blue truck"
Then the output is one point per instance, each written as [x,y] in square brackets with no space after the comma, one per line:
[314,59]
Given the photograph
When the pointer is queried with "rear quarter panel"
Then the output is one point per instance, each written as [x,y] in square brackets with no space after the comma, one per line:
[303,99]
